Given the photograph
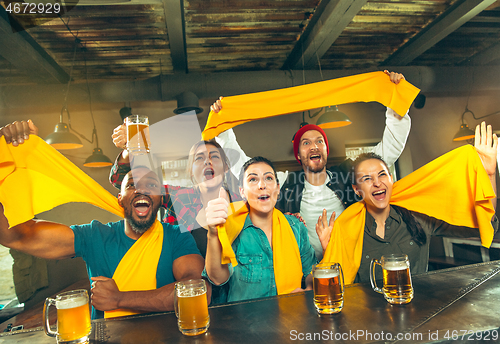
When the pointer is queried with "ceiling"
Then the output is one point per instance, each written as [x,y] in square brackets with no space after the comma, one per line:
[120,40]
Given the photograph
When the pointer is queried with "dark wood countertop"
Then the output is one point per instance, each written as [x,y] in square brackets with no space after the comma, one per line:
[448,305]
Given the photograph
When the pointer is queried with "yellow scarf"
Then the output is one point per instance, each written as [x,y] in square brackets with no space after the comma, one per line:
[454,188]
[286,255]
[137,269]
[366,87]
[34,177]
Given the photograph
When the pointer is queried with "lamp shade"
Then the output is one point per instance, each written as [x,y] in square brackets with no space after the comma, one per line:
[333,118]
[97,159]
[61,138]
[187,101]
[464,133]
[125,112]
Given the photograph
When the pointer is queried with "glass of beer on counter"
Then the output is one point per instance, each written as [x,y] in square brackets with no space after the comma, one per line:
[73,317]
[328,285]
[137,134]
[397,287]
[191,307]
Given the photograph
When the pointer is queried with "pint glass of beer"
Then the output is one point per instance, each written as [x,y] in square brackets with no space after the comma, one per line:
[328,285]
[191,307]
[73,317]
[397,288]
[137,134]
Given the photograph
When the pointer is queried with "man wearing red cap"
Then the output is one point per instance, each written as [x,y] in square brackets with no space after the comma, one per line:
[316,189]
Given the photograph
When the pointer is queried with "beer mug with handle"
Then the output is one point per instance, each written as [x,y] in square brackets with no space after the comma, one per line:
[328,285]
[397,287]
[73,317]
[191,307]
[138,141]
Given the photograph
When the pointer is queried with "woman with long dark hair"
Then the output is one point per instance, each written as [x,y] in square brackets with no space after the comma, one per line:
[388,228]
[257,250]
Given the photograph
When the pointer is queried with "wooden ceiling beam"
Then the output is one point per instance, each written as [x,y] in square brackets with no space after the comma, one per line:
[174,19]
[457,15]
[327,23]
[21,50]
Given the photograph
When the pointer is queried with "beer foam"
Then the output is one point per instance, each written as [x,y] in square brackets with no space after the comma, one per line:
[190,293]
[71,303]
[395,266]
[325,274]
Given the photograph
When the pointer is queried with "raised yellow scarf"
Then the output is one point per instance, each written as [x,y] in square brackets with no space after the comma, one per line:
[366,87]
[137,269]
[34,177]
[286,255]
[454,188]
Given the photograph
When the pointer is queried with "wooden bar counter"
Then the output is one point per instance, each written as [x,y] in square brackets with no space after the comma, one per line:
[451,305]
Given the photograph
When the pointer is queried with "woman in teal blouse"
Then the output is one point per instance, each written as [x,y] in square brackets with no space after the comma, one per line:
[254,276]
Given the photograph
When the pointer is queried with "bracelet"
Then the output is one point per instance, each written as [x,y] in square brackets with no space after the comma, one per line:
[303,282]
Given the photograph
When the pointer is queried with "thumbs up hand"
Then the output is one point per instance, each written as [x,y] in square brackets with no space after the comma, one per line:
[217,211]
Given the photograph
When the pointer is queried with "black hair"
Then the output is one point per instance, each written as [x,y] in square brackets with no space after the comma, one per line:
[157,173]
[416,231]
[192,151]
[227,176]
[256,160]
[414,228]
[363,157]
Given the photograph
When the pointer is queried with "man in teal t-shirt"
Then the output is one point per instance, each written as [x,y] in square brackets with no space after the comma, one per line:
[102,246]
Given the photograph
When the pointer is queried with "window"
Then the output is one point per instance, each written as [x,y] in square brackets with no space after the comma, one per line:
[174,172]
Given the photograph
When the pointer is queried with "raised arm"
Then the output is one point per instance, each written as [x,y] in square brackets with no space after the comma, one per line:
[42,239]
[227,140]
[106,296]
[216,213]
[486,145]
[122,162]
[396,130]
[17,132]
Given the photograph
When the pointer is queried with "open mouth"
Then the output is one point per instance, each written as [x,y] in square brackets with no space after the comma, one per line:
[264,197]
[315,157]
[209,173]
[379,195]
[142,206]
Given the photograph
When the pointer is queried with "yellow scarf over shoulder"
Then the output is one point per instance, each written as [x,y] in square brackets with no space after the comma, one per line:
[286,255]
[366,87]
[34,177]
[454,188]
[137,269]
